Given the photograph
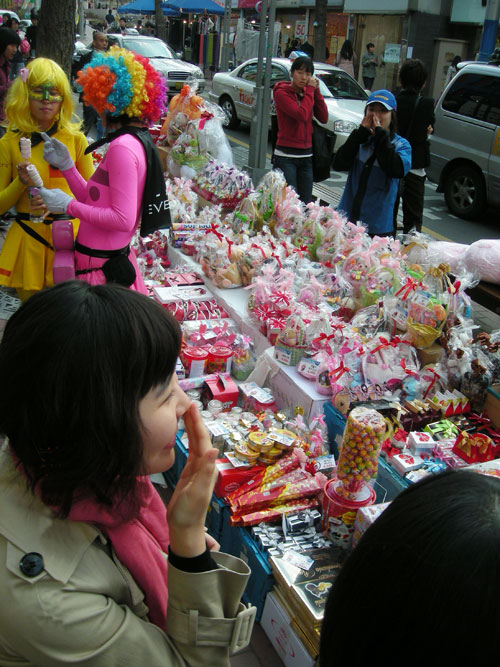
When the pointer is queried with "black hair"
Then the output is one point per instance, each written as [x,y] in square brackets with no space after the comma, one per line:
[455,61]
[369,45]
[346,51]
[303,62]
[429,561]
[7,37]
[12,20]
[413,75]
[75,361]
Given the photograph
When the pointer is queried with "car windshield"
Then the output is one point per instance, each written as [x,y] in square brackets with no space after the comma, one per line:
[341,85]
[149,48]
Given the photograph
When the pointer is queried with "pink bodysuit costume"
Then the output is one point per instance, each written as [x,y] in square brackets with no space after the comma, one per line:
[109,205]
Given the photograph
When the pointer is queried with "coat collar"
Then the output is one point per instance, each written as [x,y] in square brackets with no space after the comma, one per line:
[31,526]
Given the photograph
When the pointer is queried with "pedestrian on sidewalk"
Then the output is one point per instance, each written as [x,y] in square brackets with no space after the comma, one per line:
[415,116]
[369,64]
[346,59]
[39,100]
[297,102]
[90,115]
[376,157]
[9,43]
[128,187]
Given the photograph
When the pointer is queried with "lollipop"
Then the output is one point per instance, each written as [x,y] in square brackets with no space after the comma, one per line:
[34,175]
[25,147]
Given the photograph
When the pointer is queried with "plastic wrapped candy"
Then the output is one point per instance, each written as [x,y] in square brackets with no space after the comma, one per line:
[290,215]
[243,357]
[186,102]
[251,257]
[358,460]
[186,156]
[380,281]
[224,185]
[291,342]
[428,307]
[271,193]
[211,136]
[370,321]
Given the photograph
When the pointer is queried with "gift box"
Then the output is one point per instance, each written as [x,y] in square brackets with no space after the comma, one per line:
[365,516]
[420,443]
[222,388]
[230,478]
[405,462]
[442,430]
[474,447]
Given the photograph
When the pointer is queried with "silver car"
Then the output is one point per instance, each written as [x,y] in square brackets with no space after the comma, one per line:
[465,146]
[344,97]
[163,59]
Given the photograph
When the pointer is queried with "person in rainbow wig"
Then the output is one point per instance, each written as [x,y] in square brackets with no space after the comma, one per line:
[128,187]
[39,100]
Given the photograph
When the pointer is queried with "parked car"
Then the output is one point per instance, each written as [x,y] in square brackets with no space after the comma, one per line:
[163,59]
[344,97]
[11,14]
[465,146]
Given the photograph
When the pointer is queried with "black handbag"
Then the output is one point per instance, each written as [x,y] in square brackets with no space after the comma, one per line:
[323,143]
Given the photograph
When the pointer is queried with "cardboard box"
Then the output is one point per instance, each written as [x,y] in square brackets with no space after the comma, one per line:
[276,624]
[492,404]
[222,388]
[230,478]
[163,152]
[431,354]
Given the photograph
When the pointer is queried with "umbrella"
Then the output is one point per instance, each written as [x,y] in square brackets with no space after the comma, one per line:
[146,7]
[194,6]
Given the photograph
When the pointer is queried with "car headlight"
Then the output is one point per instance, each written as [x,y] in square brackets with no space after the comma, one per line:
[344,126]
[198,74]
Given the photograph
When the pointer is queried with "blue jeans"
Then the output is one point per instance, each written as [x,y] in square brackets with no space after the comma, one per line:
[298,173]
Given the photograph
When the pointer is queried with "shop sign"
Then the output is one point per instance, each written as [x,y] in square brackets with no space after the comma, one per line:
[392,53]
[300,29]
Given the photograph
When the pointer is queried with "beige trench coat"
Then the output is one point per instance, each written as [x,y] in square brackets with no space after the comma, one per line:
[84,608]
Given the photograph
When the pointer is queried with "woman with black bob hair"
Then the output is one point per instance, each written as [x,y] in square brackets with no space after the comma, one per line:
[422,586]
[297,102]
[89,415]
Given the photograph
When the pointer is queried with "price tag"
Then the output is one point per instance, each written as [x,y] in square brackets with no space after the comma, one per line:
[299,560]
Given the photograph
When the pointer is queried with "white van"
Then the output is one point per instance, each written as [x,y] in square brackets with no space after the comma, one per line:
[465,146]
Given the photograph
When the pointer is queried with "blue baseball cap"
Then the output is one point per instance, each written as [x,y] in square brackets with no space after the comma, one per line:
[384,97]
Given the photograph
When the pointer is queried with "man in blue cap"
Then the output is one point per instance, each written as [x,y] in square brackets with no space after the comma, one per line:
[376,158]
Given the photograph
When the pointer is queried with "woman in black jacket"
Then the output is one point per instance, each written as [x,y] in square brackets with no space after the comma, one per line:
[415,118]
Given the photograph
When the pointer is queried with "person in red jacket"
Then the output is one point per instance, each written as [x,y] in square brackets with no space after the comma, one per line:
[297,101]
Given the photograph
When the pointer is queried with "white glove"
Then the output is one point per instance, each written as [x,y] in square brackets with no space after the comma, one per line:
[56,153]
[55,200]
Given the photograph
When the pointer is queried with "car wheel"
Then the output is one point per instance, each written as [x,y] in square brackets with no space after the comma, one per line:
[465,192]
[229,110]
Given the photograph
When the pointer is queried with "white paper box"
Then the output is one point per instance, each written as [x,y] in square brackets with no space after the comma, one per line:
[276,624]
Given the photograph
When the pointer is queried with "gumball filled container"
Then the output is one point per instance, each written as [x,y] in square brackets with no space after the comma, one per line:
[358,459]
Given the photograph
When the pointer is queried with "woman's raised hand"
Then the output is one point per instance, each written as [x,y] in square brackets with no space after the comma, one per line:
[188,506]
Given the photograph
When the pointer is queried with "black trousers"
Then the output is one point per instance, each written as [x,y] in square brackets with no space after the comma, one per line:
[411,191]
[368,82]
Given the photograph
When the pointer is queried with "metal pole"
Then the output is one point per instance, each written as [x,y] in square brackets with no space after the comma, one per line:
[490,28]
[266,91]
[225,46]
[262,94]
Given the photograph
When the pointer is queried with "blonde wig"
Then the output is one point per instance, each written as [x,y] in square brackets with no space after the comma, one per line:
[17,104]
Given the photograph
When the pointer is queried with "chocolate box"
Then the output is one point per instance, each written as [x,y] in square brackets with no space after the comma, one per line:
[222,388]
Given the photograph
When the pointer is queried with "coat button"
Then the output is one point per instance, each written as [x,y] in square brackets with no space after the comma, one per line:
[31,564]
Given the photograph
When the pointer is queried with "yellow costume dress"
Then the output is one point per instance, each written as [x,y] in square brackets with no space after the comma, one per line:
[26,263]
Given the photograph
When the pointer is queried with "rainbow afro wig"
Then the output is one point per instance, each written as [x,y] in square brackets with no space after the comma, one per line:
[122,82]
